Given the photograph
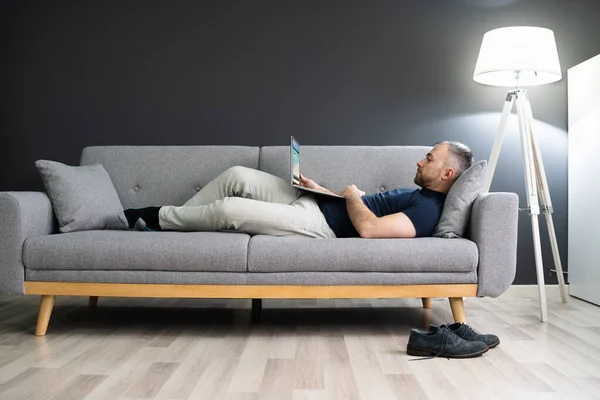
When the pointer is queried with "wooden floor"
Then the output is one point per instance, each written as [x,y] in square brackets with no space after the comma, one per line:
[302,349]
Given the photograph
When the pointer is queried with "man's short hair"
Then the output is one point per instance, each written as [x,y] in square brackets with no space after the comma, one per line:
[461,157]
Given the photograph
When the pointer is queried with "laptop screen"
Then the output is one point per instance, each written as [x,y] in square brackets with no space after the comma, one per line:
[295,161]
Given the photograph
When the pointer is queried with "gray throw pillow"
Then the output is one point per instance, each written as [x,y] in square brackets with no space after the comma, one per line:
[459,201]
[83,198]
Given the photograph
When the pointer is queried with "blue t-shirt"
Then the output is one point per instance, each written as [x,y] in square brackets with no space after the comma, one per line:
[422,206]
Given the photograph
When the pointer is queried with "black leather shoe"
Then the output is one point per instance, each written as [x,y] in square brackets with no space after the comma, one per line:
[442,342]
[464,331]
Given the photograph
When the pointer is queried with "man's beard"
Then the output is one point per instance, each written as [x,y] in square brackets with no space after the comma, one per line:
[419,181]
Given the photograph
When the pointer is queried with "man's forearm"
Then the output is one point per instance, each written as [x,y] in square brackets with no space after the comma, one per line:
[362,218]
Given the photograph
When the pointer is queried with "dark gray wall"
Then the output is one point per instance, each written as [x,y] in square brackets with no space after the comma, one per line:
[346,72]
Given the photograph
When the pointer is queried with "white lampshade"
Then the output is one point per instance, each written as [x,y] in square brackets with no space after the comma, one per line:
[524,51]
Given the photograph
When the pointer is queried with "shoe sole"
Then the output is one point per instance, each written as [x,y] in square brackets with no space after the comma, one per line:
[494,345]
[427,353]
[491,346]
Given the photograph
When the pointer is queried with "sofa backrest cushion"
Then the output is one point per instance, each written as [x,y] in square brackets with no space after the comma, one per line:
[370,168]
[165,175]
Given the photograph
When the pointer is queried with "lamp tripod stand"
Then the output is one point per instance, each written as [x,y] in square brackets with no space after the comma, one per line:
[535,180]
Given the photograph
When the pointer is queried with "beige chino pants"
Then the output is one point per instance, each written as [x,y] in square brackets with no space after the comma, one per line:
[248,200]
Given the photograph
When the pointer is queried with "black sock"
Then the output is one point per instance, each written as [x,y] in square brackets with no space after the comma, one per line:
[148,214]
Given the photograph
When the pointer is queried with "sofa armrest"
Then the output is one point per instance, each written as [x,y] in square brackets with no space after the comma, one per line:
[24,214]
[493,227]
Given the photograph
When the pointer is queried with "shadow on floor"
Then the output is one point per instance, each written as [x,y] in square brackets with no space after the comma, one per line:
[220,321]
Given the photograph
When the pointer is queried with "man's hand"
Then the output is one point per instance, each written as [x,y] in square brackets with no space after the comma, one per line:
[350,191]
[309,183]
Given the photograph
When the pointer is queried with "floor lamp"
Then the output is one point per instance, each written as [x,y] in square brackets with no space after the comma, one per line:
[515,57]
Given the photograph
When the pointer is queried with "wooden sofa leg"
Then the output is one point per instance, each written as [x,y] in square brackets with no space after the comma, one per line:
[93,301]
[44,315]
[426,302]
[458,309]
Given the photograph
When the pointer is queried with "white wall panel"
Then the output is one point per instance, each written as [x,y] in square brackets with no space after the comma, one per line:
[584,180]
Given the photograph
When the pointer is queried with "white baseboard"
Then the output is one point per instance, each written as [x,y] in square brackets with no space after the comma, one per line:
[531,291]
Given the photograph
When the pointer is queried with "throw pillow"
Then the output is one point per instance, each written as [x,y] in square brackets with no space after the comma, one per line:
[83,198]
[457,207]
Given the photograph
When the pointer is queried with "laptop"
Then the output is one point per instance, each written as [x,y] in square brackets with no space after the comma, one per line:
[295,171]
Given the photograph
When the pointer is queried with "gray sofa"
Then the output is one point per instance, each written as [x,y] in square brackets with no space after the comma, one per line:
[37,260]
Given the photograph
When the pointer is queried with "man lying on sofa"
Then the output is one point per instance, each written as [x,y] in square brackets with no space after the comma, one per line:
[256,202]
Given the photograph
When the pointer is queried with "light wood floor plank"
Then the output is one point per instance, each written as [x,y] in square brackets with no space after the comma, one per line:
[240,396]
[124,376]
[46,350]
[372,384]
[432,379]
[308,366]
[278,380]
[18,380]
[494,380]
[561,383]
[180,349]
[563,354]
[469,383]
[370,380]
[302,394]
[591,385]
[41,383]
[192,367]
[407,387]
[153,378]
[340,381]
[284,344]
[250,370]
[80,387]
[516,373]
[217,377]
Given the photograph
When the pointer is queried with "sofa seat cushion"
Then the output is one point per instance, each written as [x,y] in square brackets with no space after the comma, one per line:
[298,254]
[138,251]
